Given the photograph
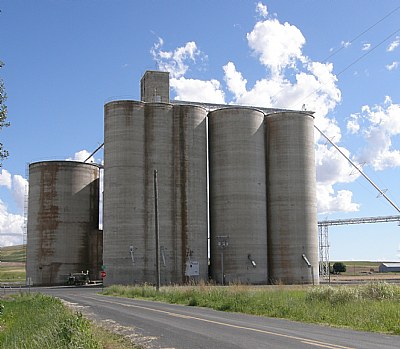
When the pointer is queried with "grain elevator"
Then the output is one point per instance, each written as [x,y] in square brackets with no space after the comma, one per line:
[236,195]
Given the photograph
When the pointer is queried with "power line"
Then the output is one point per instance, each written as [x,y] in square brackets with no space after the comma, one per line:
[347,67]
[368,52]
[361,34]
[341,48]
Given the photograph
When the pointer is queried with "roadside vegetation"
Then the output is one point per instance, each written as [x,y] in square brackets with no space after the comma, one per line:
[371,307]
[38,321]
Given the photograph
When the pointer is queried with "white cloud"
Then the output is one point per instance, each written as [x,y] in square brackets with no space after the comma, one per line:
[5,178]
[328,202]
[392,66]
[291,80]
[366,47]
[346,44]
[176,62]
[381,124]
[352,124]
[20,190]
[11,227]
[234,80]
[82,155]
[277,45]
[262,10]
[198,90]
[394,44]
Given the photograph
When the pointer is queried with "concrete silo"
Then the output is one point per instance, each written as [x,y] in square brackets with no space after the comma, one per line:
[124,191]
[63,217]
[238,212]
[139,138]
[292,208]
[190,166]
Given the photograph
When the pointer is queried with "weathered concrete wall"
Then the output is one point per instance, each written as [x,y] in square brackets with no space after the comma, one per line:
[140,138]
[292,205]
[238,194]
[63,212]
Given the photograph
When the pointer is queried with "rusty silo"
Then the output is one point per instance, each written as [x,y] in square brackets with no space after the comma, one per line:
[63,216]
[139,138]
[292,209]
[238,212]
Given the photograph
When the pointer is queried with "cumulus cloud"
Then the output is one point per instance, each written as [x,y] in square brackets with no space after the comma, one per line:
[176,62]
[234,80]
[12,224]
[394,44]
[198,90]
[262,10]
[277,45]
[291,80]
[5,178]
[11,227]
[332,167]
[82,155]
[352,124]
[20,191]
[329,201]
[392,66]
[380,127]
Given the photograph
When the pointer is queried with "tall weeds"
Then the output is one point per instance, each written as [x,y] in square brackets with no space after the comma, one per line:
[31,322]
[371,307]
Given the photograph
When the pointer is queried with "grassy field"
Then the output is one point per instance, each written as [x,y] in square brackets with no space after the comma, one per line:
[12,264]
[12,254]
[360,267]
[36,322]
[371,307]
[12,272]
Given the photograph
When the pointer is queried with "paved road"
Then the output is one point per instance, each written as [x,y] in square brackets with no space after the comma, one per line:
[159,325]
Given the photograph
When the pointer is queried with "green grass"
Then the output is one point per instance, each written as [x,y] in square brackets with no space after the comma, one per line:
[13,253]
[12,273]
[38,321]
[372,307]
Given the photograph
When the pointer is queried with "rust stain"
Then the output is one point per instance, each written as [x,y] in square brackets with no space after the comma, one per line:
[48,213]
[148,189]
[183,166]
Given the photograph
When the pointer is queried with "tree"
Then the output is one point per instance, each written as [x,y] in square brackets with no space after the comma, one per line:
[3,116]
[338,267]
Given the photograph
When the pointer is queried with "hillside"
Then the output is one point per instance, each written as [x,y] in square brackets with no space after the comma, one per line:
[12,253]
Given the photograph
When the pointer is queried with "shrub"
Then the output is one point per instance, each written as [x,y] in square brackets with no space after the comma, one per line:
[338,268]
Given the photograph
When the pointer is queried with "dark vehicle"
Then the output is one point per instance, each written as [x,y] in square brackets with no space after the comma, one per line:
[78,278]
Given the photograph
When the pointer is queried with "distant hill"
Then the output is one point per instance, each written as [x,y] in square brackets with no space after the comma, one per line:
[13,253]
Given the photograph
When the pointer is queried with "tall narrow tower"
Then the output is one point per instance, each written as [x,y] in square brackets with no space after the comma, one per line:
[154,87]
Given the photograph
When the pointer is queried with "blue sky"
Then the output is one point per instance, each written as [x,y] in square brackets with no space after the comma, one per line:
[65,58]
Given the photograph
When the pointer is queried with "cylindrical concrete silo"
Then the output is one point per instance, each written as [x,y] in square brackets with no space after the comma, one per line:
[238,195]
[140,138]
[63,213]
[190,172]
[292,209]
[159,156]
[124,206]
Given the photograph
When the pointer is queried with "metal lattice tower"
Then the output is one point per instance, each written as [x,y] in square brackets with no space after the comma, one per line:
[323,250]
[324,236]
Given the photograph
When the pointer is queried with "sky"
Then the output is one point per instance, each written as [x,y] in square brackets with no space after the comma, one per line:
[341,59]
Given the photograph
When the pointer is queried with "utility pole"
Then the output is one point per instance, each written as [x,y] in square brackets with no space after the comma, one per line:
[222,243]
[158,276]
